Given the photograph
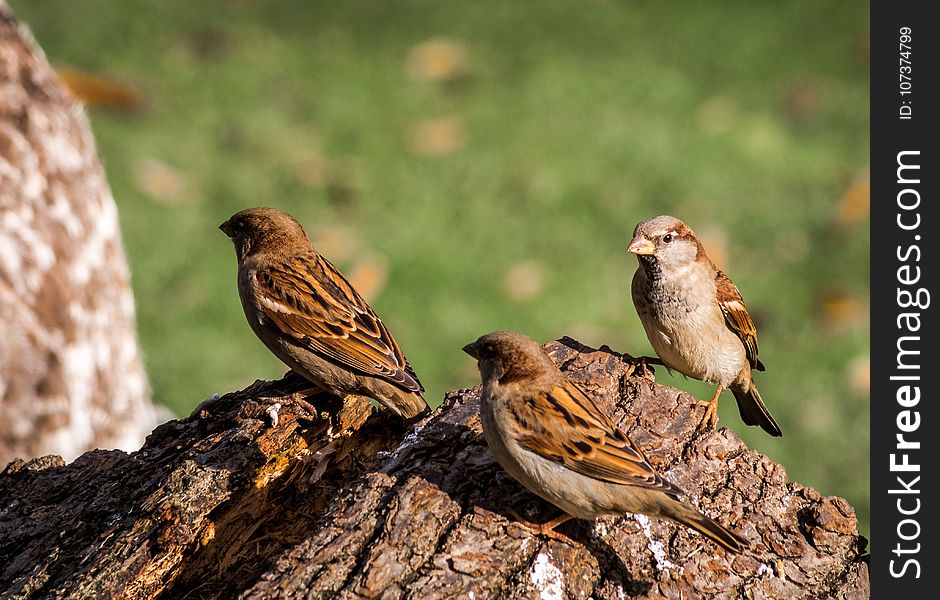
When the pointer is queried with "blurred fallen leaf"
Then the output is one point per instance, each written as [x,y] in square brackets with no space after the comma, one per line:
[369,275]
[437,136]
[524,280]
[99,91]
[858,375]
[856,202]
[438,59]
[160,181]
[842,310]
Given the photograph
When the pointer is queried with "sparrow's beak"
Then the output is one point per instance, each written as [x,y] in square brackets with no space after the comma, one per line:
[641,245]
[226,228]
[471,349]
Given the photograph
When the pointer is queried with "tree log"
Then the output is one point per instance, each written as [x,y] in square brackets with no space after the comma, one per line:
[338,500]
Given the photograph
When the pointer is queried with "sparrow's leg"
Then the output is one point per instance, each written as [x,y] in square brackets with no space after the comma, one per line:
[273,409]
[710,418]
[303,389]
[546,529]
[298,397]
[302,402]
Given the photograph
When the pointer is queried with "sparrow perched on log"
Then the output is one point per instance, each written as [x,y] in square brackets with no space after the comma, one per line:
[553,439]
[695,318]
[312,319]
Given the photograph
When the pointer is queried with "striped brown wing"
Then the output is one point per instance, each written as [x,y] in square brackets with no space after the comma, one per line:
[566,426]
[736,317]
[310,301]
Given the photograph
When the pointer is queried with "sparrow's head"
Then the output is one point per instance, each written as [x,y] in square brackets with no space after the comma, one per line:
[664,242]
[505,356]
[259,229]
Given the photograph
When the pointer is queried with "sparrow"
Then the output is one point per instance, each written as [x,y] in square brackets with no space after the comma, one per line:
[551,437]
[695,318]
[303,309]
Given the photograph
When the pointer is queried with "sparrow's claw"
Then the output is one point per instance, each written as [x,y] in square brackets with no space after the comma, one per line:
[310,408]
[710,418]
[544,529]
[273,410]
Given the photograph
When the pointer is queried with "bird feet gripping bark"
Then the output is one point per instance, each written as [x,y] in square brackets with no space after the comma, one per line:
[710,418]
[546,529]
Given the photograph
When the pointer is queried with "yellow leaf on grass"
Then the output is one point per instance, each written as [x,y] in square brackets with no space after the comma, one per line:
[437,136]
[437,60]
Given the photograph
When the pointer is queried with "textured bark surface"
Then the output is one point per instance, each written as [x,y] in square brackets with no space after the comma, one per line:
[337,502]
[71,377]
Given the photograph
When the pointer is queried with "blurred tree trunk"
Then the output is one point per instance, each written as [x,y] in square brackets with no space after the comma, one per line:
[343,504]
[71,377]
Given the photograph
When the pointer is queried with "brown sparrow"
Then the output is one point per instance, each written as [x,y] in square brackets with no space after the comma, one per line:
[311,318]
[553,439]
[695,318]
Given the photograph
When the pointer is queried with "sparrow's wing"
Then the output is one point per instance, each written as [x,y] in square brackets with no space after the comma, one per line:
[311,302]
[736,317]
[567,427]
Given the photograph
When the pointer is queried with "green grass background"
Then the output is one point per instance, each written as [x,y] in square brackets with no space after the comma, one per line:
[749,119]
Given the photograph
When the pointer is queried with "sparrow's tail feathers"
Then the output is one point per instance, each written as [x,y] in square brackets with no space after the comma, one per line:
[410,406]
[753,411]
[716,532]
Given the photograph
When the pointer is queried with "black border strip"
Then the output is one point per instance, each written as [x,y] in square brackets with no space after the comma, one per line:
[904,272]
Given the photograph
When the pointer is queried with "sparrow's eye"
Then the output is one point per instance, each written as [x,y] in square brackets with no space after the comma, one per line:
[667,238]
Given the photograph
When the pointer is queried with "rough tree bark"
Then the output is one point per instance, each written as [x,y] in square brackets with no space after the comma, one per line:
[337,502]
[71,377]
